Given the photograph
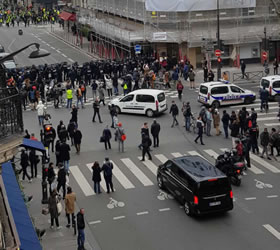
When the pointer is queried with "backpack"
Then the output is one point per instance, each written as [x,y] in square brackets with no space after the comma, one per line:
[83,88]
[108,170]
[180,87]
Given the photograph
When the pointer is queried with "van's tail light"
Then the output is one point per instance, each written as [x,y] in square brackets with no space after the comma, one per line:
[195,200]
[231,194]
[208,96]
[212,179]
[238,171]
[270,90]
[156,104]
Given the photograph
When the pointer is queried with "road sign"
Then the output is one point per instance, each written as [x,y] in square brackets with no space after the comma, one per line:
[137,49]
[218,52]
[264,55]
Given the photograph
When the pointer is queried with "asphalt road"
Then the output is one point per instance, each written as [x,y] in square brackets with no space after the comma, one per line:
[146,218]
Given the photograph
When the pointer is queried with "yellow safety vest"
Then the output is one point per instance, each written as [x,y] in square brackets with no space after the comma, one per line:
[69,94]
[125,86]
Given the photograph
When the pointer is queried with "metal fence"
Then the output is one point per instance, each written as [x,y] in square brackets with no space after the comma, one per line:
[252,76]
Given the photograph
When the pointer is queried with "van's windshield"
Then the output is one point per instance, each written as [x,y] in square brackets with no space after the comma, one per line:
[203,90]
[265,83]
[214,187]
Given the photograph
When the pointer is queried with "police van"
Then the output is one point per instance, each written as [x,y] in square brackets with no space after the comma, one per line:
[272,84]
[216,94]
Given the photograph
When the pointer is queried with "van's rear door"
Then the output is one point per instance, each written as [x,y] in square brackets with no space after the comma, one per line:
[161,99]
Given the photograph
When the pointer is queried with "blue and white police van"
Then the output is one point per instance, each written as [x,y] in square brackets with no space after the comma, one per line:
[272,84]
[216,94]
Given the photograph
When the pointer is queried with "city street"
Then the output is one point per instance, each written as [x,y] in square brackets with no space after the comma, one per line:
[138,215]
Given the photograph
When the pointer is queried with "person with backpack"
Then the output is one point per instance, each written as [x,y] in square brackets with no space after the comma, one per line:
[199,125]
[180,88]
[146,143]
[107,169]
[186,109]
[120,137]
[174,111]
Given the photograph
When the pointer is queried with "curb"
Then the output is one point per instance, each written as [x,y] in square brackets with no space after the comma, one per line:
[72,45]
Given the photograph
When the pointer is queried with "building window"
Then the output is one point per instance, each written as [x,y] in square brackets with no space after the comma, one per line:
[255,52]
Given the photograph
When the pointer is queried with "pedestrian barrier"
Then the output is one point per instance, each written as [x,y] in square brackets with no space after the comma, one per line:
[249,76]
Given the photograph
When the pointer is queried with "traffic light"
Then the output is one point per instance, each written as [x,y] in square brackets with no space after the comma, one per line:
[219,59]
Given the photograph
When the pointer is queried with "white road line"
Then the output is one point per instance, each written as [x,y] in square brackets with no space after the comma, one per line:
[142,213]
[271,124]
[44,42]
[164,209]
[121,177]
[94,222]
[256,104]
[102,183]
[81,180]
[272,230]
[272,196]
[53,48]
[58,51]
[268,119]
[48,45]
[194,153]
[137,172]
[211,153]
[270,113]
[150,165]
[72,61]
[250,198]
[11,44]
[173,96]
[253,168]
[264,163]
[258,109]
[63,55]
[118,217]
[177,154]
[161,158]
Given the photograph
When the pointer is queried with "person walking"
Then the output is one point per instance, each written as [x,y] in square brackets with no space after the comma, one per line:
[69,97]
[254,134]
[52,204]
[192,78]
[24,164]
[61,179]
[107,137]
[275,66]
[225,121]
[101,95]
[74,114]
[208,116]
[41,112]
[94,87]
[81,229]
[34,159]
[216,121]
[264,137]
[107,169]
[274,142]
[70,129]
[120,137]
[65,155]
[146,143]
[155,129]
[186,109]
[180,88]
[243,68]
[199,125]
[63,134]
[174,111]
[113,112]
[96,177]
[96,109]
[51,176]
[70,200]
[234,127]
[79,96]
[77,137]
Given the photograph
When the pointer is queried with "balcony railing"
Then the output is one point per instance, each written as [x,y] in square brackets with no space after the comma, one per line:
[11,121]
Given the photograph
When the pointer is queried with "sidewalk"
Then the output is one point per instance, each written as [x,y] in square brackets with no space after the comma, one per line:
[63,239]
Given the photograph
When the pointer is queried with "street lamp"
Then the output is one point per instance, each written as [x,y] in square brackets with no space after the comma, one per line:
[218,40]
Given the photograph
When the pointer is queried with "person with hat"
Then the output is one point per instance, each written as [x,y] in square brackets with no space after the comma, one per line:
[120,136]
[107,169]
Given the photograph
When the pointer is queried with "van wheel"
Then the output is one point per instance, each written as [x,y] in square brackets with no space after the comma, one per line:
[215,104]
[160,182]
[247,100]
[277,98]
[118,110]
[187,208]
[150,113]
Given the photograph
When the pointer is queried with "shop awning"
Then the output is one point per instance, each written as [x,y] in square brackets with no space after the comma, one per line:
[31,144]
[66,16]
[27,235]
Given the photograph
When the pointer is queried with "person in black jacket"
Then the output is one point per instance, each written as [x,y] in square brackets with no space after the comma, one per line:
[61,179]
[175,111]
[146,143]
[96,108]
[65,155]
[33,158]
[108,174]
[113,112]
[81,229]
[225,120]
[24,164]
[63,134]
[107,137]
[77,136]
[51,175]
[96,177]
[155,129]
[70,129]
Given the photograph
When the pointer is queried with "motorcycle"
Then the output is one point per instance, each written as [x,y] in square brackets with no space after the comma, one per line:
[232,166]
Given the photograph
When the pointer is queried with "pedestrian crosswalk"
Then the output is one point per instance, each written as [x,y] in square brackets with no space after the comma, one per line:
[131,173]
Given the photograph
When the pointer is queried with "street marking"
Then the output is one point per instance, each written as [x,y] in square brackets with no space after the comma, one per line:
[58,51]
[271,124]
[250,198]
[63,55]
[212,153]
[194,153]
[262,185]
[256,104]
[142,213]
[94,222]
[161,158]
[272,230]
[102,183]
[118,217]
[137,172]
[164,209]
[11,44]
[267,119]
[44,42]
[48,45]
[258,109]
[53,48]
[81,180]
[264,163]
[253,168]
[72,61]
[272,196]
[121,177]
[177,154]
[150,165]
[270,113]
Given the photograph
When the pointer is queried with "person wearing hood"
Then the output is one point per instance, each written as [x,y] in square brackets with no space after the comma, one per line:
[41,112]
[107,169]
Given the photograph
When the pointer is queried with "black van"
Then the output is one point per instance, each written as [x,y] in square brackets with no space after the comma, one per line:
[198,185]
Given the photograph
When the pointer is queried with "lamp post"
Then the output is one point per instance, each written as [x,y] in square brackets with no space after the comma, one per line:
[218,40]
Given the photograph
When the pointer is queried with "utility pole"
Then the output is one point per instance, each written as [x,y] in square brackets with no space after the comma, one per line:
[265,41]
[218,40]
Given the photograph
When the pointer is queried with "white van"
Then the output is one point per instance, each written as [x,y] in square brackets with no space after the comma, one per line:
[143,101]
[272,84]
[218,94]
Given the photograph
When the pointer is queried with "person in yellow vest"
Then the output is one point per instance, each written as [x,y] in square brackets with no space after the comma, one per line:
[69,96]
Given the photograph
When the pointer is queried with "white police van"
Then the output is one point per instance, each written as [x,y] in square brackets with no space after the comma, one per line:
[216,94]
[272,84]
[149,102]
